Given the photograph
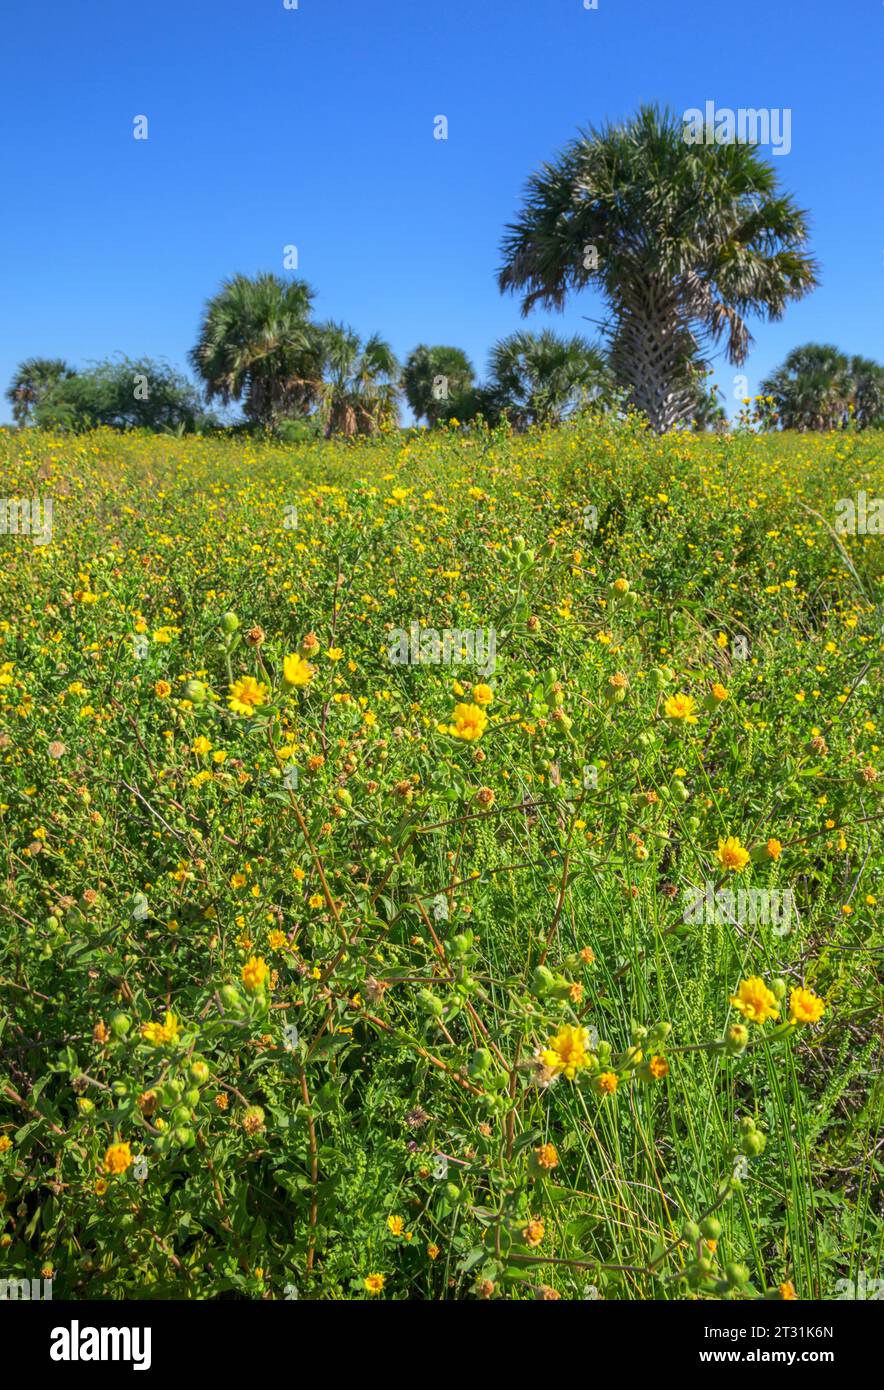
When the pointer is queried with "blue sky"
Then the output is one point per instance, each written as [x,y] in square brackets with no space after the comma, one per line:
[314,127]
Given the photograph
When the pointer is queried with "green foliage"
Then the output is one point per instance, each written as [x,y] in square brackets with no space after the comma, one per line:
[122,395]
[270,924]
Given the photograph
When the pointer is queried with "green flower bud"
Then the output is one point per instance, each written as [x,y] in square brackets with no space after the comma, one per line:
[229,623]
[778,988]
[120,1025]
[481,1061]
[710,1227]
[195,692]
[231,999]
[542,981]
[736,1039]
[199,1071]
[753,1144]
[690,1232]
[737,1274]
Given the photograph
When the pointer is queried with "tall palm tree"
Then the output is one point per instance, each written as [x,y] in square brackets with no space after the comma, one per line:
[812,390]
[682,240]
[361,382]
[33,380]
[433,377]
[537,378]
[257,344]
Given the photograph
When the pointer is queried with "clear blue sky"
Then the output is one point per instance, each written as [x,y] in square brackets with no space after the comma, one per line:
[314,127]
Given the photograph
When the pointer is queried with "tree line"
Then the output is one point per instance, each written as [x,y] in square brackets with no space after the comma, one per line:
[682,241]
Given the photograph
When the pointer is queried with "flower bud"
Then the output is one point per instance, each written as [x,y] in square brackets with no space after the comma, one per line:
[195,692]
[736,1039]
[542,981]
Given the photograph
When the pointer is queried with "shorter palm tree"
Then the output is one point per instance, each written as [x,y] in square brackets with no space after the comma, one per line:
[33,380]
[539,378]
[434,377]
[868,392]
[257,344]
[812,389]
[360,386]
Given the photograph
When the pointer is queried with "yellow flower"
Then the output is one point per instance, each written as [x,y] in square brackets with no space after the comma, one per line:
[732,855]
[157,1034]
[567,1051]
[482,694]
[5,1144]
[547,1156]
[118,1158]
[374,1283]
[658,1067]
[316,900]
[396,1225]
[297,671]
[787,1291]
[755,1001]
[254,973]
[468,722]
[433,1252]
[718,693]
[774,848]
[681,709]
[247,694]
[162,690]
[277,940]
[607,1083]
[805,1006]
[201,745]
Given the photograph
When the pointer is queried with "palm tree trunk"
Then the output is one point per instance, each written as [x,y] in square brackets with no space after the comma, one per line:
[652,356]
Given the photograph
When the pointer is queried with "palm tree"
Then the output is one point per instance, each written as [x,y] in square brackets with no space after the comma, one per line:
[868,392]
[33,381]
[361,382]
[537,378]
[433,377]
[257,344]
[682,240]
[812,390]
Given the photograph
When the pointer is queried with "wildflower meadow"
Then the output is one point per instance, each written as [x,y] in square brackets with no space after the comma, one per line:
[442,865]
